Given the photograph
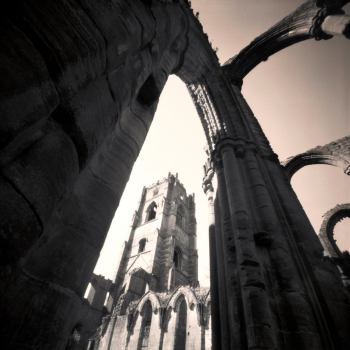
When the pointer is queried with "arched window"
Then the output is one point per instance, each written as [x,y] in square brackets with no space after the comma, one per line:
[146,314]
[151,212]
[181,325]
[74,339]
[177,259]
[180,216]
[142,245]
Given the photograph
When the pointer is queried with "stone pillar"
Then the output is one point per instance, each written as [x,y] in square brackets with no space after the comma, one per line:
[274,288]
[222,229]
[214,291]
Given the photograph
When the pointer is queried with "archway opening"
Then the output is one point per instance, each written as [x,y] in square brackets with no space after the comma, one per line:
[177,258]
[181,327]
[152,213]
[341,235]
[142,245]
[146,314]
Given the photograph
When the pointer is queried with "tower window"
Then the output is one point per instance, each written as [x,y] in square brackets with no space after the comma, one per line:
[177,258]
[142,245]
[180,217]
[151,212]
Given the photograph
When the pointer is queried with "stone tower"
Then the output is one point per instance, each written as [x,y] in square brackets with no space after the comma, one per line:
[155,300]
[161,248]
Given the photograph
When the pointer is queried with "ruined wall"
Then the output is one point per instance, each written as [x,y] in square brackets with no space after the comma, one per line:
[81,82]
[336,153]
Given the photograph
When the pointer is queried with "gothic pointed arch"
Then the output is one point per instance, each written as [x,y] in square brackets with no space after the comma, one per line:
[144,335]
[302,24]
[152,297]
[187,293]
[151,211]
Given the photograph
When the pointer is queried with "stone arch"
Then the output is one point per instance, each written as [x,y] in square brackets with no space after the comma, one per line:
[97,153]
[152,297]
[302,24]
[187,293]
[326,233]
[336,153]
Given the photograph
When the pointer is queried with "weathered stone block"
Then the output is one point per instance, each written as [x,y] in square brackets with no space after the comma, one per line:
[112,18]
[35,182]
[19,229]
[27,94]
[69,42]
[88,117]
[17,312]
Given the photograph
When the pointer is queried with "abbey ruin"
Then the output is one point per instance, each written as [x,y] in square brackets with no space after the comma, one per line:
[81,80]
[154,299]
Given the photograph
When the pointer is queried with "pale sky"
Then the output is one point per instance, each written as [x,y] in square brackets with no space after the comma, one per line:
[300,96]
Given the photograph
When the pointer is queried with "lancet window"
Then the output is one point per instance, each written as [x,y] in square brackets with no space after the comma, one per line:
[146,314]
[177,259]
[151,212]
[181,323]
[180,217]
[142,245]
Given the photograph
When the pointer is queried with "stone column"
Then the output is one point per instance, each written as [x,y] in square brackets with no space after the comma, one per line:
[276,289]
[214,291]
[223,231]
